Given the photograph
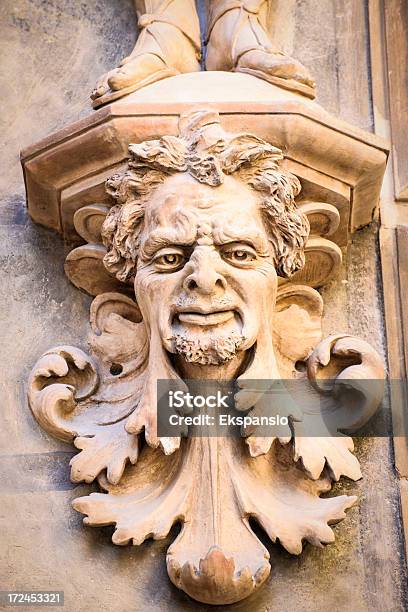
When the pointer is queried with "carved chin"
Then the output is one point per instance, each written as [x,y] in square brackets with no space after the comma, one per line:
[210,351]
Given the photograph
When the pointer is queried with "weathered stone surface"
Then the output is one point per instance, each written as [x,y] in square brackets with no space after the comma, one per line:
[337,162]
[211,310]
[53,48]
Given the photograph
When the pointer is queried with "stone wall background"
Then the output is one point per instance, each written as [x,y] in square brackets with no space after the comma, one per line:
[52,53]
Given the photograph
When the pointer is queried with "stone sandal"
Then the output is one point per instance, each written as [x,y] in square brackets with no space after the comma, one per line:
[249,17]
[146,26]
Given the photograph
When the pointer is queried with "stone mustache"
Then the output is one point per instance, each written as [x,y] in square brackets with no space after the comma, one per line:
[203,225]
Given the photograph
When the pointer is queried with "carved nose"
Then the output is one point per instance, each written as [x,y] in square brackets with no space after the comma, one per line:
[204,283]
[204,277]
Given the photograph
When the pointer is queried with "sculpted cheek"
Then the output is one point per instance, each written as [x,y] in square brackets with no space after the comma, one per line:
[260,280]
[153,287]
[268,277]
[145,287]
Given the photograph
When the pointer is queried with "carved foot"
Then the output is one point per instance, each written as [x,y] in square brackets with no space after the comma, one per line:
[238,42]
[168,44]
[133,73]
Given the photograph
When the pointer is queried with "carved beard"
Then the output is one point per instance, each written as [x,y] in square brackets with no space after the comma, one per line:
[213,350]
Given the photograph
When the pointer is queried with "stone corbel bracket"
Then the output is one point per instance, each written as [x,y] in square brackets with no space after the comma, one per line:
[340,166]
[105,401]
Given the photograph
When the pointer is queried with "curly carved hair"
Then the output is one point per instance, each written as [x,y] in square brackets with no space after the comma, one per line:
[207,153]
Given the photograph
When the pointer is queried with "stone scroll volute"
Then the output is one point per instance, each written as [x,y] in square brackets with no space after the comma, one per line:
[200,248]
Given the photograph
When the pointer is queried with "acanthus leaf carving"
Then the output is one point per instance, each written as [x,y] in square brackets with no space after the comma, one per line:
[354,367]
[349,376]
[53,403]
[158,491]
[110,448]
[271,489]
[208,304]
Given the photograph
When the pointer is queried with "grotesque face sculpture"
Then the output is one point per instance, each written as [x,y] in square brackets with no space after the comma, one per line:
[205,268]
[204,223]
[203,226]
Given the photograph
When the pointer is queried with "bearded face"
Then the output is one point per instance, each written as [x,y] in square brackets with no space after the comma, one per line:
[205,279]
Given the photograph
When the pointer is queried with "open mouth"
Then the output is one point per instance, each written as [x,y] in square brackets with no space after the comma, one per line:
[202,318]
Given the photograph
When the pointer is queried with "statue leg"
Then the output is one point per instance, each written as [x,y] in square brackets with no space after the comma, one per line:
[237,40]
[168,44]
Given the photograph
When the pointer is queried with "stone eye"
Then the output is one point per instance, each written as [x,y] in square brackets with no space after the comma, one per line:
[239,254]
[168,261]
[171,259]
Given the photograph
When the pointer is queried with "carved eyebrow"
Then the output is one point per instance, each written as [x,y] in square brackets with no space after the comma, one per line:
[162,237]
[249,235]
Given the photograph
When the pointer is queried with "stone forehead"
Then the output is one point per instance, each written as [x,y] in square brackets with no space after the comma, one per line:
[182,192]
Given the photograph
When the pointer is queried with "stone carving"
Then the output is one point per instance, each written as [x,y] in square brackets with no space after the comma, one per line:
[169,43]
[201,225]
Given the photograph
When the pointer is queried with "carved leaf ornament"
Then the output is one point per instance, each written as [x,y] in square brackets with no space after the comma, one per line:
[214,487]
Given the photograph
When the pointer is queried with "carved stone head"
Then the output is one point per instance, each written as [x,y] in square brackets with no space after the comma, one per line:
[204,223]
